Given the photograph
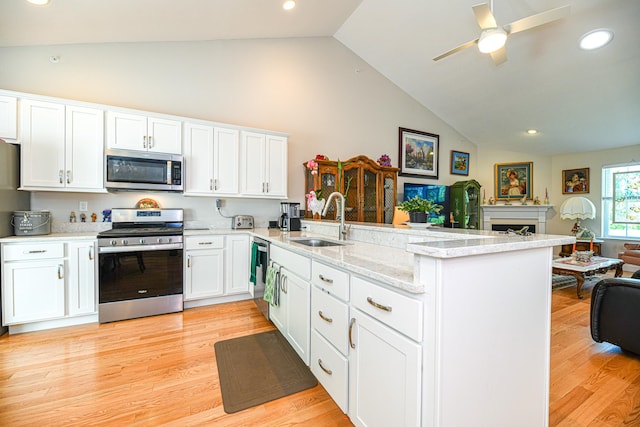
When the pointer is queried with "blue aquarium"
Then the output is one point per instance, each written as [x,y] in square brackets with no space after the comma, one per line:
[436,193]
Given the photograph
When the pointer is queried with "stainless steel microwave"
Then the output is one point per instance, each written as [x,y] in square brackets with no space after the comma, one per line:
[139,170]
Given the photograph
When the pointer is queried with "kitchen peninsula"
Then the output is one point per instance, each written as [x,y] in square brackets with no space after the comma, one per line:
[451,331]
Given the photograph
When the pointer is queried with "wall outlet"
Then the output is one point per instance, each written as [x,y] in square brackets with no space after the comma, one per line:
[218,203]
[84,206]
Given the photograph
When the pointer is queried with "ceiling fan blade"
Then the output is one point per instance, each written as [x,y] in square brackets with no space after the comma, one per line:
[537,20]
[456,49]
[484,16]
[499,56]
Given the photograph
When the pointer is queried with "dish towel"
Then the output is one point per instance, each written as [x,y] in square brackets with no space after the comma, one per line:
[255,262]
[270,285]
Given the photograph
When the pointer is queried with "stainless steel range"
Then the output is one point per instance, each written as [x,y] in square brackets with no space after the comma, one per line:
[140,264]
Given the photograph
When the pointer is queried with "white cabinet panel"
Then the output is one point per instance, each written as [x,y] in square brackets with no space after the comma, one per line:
[263,165]
[226,160]
[330,368]
[198,158]
[237,267]
[164,136]
[84,148]
[82,278]
[8,117]
[204,274]
[138,132]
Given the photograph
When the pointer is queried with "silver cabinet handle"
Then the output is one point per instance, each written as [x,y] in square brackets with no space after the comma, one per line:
[91,253]
[325,318]
[60,270]
[205,243]
[68,177]
[324,279]
[150,142]
[60,173]
[41,251]
[328,371]
[267,186]
[144,141]
[189,261]
[351,325]
[211,184]
[379,306]
[283,280]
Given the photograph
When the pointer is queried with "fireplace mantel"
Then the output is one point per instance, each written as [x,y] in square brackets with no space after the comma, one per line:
[512,214]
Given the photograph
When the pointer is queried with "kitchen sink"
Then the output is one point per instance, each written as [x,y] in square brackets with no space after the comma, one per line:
[317,241]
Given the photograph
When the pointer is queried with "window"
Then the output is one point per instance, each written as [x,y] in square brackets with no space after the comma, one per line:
[621,201]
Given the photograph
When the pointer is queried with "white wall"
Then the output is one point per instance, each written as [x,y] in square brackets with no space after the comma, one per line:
[325,97]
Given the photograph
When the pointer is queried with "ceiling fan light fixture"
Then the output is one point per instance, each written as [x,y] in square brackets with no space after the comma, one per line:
[289,4]
[491,40]
[596,39]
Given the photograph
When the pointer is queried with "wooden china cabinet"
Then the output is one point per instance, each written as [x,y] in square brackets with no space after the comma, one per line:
[371,194]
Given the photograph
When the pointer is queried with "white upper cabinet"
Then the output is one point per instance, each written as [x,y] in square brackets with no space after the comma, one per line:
[142,133]
[211,157]
[62,147]
[8,117]
[263,165]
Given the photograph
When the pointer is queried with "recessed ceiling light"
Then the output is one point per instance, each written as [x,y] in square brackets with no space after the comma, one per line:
[289,4]
[39,2]
[596,39]
[532,131]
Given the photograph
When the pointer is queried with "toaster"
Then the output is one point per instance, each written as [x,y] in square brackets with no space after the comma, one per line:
[242,222]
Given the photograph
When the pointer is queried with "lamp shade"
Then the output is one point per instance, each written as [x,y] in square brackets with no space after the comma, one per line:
[577,208]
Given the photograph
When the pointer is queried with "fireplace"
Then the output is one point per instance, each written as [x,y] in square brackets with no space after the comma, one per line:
[515,217]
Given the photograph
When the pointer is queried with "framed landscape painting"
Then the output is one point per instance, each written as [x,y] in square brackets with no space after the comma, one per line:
[419,153]
[459,163]
[575,181]
[513,181]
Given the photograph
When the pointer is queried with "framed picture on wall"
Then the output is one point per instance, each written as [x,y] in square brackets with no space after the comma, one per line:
[459,163]
[418,153]
[513,180]
[575,181]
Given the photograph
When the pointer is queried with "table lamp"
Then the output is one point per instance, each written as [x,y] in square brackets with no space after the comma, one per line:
[577,208]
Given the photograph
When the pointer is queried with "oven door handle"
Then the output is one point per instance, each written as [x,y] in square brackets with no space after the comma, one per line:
[139,248]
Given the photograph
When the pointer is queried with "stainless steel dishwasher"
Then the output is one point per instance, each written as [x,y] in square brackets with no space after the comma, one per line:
[261,275]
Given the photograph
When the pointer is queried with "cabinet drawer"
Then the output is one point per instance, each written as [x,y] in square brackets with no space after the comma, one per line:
[29,251]
[330,318]
[204,242]
[331,369]
[398,311]
[295,263]
[334,281]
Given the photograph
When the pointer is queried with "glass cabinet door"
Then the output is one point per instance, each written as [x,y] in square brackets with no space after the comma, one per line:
[369,196]
[351,188]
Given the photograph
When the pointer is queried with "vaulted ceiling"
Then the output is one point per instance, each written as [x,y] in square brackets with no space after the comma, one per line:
[577,100]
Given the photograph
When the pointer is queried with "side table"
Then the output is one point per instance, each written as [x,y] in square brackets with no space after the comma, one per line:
[582,245]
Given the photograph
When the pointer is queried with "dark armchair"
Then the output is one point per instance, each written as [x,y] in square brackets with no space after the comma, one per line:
[615,312]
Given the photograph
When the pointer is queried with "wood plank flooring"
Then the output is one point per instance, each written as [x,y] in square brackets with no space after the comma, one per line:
[162,371]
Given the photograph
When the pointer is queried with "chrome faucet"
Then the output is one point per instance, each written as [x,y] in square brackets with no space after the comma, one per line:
[342,231]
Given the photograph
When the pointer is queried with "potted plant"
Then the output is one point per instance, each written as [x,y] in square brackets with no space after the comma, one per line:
[419,208]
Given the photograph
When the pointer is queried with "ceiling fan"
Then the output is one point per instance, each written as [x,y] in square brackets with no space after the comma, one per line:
[493,38]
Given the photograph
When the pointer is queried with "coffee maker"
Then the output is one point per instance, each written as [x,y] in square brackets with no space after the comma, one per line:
[289,216]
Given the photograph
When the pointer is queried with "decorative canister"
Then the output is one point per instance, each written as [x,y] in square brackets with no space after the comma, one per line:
[31,223]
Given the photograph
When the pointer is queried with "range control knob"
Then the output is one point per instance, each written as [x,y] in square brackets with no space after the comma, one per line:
[142,241]
[159,240]
[170,240]
[113,243]
[125,242]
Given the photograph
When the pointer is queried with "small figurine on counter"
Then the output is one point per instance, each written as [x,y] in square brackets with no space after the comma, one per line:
[523,201]
[72,216]
[83,217]
[106,215]
[536,201]
[94,217]
[492,201]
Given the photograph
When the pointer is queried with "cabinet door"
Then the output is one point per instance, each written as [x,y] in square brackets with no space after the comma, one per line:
[298,309]
[33,291]
[237,266]
[126,131]
[204,274]
[84,148]
[42,131]
[226,161]
[164,136]
[8,117]
[81,278]
[253,164]
[198,157]
[384,375]
[276,168]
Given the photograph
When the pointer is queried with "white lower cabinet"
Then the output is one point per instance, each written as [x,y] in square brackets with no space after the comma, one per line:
[45,281]
[384,375]
[331,368]
[216,266]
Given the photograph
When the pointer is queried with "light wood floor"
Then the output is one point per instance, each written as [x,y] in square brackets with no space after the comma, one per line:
[162,371]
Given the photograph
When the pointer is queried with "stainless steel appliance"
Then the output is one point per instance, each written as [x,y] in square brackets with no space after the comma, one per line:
[140,264]
[138,170]
[242,222]
[262,262]
[289,216]
[10,198]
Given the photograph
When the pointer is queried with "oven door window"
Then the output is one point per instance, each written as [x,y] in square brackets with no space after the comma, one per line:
[142,274]
[139,171]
